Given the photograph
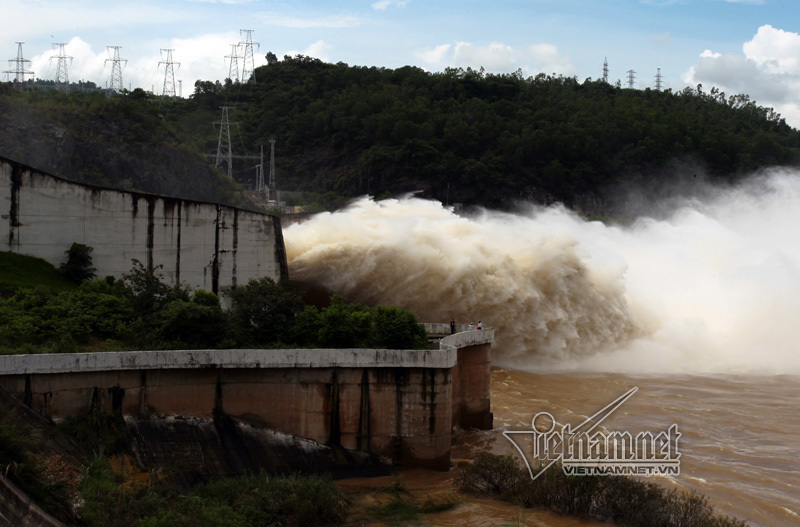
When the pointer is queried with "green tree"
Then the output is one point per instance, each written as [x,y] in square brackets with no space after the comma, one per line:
[397,328]
[78,266]
[264,311]
[345,325]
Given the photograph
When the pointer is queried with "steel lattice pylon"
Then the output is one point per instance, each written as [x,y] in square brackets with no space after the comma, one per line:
[62,67]
[115,82]
[249,65]
[169,73]
[233,69]
[19,65]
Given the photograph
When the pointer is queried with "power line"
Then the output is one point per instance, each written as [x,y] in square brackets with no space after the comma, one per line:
[20,64]
[249,65]
[62,67]
[169,73]
[115,82]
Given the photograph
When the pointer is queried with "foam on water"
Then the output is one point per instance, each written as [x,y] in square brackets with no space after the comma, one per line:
[714,286]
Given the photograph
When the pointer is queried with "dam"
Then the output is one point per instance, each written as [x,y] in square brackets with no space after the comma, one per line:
[202,245]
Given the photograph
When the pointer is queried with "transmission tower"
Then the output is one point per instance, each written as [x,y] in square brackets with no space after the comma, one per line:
[249,65]
[631,78]
[169,73]
[115,82]
[658,80]
[224,146]
[233,69]
[62,69]
[605,70]
[19,64]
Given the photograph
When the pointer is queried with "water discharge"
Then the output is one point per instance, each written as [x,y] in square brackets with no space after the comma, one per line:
[712,286]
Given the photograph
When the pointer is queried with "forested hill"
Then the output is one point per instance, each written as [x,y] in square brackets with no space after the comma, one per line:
[466,136]
[494,138]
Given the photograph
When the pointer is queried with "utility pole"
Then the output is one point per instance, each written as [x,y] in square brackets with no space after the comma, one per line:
[115,82]
[272,163]
[605,70]
[233,69]
[631,78]
[260,173]
[62,68]
[169,73]
[19,64]
[249,65]
[658,80]
[180,88]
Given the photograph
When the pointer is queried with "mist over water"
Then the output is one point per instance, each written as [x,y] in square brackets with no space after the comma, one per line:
[711,286]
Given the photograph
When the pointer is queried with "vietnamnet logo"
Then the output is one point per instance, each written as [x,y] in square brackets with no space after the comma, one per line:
[585,451]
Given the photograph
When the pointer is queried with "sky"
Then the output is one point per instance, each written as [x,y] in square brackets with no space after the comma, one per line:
[738,46]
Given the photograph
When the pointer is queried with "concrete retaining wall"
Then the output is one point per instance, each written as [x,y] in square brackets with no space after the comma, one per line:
[204,245]
[399,404]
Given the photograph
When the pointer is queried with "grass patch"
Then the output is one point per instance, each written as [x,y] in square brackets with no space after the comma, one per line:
[619,499]
[18,271]
[404,506]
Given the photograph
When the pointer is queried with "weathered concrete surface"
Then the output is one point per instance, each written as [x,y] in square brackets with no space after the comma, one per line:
[17,509]
[227,358]
[400,404]
[198,449]
[204,245]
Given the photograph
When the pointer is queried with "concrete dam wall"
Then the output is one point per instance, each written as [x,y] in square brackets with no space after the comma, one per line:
[400,405]
[204,245]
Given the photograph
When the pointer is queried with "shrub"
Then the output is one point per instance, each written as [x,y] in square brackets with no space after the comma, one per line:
[397,328]
[256,500]
[345,325]
[264,311]
[618,499]
[190,324]
[78,266]
[205,298]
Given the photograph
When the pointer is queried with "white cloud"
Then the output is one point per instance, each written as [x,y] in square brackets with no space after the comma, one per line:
[436,55]
[318,50]
[85,64]
[497,58]
[768,71]
[777,51]
[197,58]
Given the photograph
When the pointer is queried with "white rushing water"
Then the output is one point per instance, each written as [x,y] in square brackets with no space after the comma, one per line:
[712,286]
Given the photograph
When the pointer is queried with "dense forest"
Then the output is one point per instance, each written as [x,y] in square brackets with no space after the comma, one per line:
[458,135]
